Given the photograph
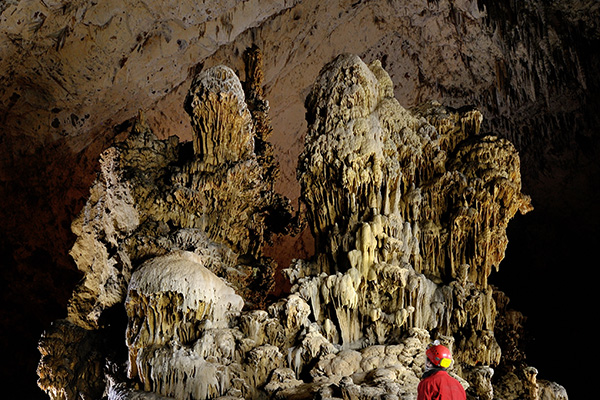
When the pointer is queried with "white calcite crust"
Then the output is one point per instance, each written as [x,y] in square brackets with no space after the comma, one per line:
[184,273]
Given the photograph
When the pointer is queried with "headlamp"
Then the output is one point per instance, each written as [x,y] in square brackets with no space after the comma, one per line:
[445,362]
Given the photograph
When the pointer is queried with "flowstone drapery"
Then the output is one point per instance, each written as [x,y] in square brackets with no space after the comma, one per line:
[408,209]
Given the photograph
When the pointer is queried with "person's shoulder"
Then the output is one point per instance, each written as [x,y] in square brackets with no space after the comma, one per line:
[443,375]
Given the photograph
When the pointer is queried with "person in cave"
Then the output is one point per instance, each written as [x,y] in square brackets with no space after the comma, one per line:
[436,384]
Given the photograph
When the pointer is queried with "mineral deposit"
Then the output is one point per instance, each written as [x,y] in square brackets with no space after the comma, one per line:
[408,209]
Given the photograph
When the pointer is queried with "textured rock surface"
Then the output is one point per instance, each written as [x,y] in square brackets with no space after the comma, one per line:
[74,75]
[408,209]
[165,225]
[72,361]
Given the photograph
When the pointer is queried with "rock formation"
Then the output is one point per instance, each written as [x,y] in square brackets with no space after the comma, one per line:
[408,209]
[75,73]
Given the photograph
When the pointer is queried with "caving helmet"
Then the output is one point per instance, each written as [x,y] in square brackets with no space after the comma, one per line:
[439,355]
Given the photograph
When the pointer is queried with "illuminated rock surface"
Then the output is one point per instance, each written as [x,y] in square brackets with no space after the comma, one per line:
[408,208]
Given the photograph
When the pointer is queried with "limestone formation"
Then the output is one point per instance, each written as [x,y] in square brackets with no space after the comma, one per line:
[408,208]
[220,118]
[72,364]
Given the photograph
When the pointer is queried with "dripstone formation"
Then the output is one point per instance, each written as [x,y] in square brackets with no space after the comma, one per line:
[408,209]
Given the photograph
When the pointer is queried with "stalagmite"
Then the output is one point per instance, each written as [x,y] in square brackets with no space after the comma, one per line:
[220,116]
[408,209]
[169,299]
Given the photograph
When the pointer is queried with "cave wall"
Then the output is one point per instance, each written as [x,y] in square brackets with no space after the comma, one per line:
[74,75]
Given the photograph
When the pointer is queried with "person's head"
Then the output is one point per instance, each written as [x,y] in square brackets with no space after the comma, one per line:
[438,355]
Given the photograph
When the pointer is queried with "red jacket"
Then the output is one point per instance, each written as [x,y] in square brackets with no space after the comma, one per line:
[440,386]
